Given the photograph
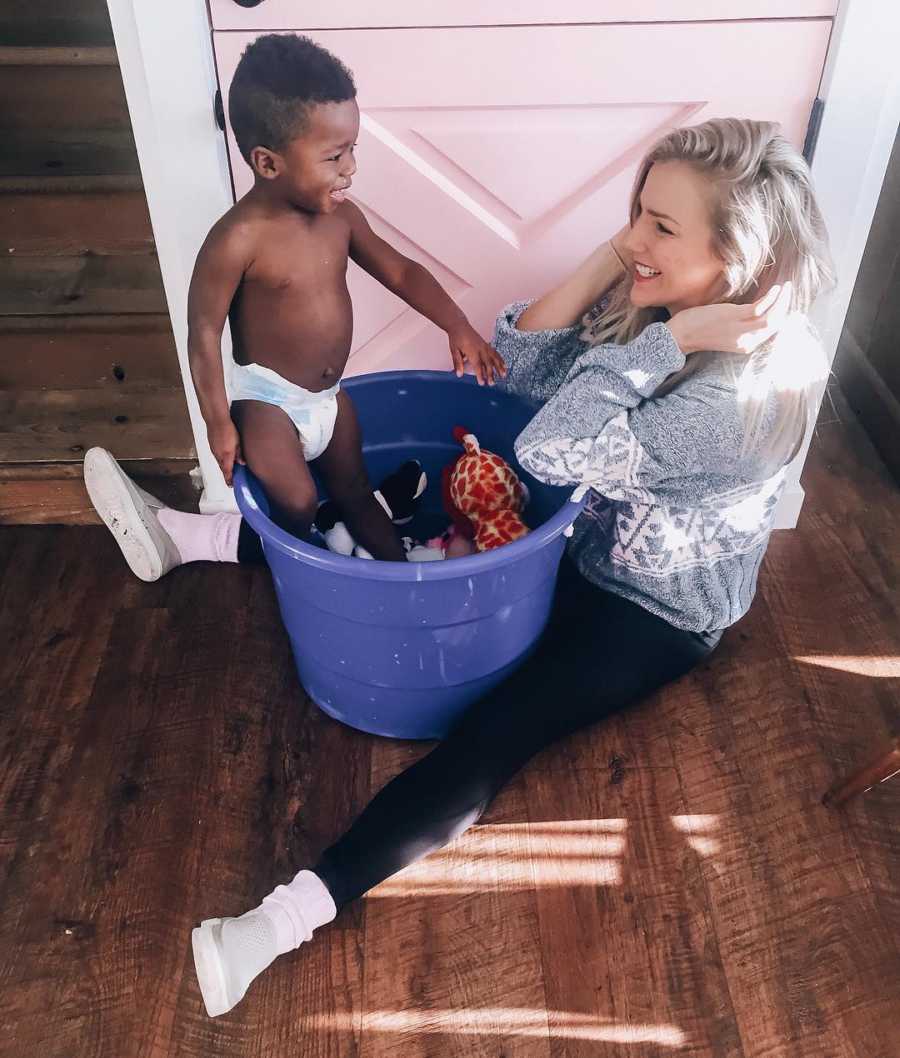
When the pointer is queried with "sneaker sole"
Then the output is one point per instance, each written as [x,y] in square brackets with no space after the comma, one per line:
[208,965]
[113,500]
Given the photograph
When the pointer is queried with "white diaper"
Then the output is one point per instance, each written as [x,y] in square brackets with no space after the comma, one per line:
[313,414]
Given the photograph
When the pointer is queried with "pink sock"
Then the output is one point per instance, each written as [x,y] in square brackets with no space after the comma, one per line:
[202,537]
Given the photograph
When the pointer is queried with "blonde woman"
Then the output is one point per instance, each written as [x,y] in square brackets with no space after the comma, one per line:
[669,395]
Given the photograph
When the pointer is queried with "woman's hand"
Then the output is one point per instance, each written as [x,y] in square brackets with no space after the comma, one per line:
[225,442]
[468,347]
[731,328]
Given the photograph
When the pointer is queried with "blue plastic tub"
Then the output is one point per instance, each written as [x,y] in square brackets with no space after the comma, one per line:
[401,649]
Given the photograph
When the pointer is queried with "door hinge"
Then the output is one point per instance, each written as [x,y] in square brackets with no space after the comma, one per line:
[812,129]
[219,109]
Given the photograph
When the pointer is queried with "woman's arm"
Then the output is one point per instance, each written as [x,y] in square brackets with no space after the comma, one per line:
[604,428]
[537,362]
[566,304]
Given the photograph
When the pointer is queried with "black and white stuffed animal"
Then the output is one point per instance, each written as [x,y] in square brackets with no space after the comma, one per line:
[398,494]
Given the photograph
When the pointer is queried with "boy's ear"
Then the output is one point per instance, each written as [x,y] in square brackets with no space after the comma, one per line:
[265,163]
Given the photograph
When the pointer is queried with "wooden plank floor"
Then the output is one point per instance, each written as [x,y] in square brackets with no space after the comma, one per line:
[666,885]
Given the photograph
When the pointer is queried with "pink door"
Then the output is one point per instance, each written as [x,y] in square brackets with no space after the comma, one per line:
[500,156]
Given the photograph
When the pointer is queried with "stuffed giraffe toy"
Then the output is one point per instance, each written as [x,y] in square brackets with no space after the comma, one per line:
[481,493]
[485,491]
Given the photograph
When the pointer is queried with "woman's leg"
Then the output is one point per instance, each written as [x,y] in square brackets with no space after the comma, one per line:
[599,654]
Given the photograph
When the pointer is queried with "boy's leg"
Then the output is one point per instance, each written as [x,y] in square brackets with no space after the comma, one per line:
[344,474]
[272,450]
[155,538]
[152,537]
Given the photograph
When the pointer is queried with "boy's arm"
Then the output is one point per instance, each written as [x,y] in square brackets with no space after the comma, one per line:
[218,271]
[419,289]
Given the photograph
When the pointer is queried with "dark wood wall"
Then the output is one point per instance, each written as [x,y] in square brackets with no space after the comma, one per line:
[86,349]
[868,358]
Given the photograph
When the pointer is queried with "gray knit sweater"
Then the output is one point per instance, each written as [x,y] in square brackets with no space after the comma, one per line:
[677,520]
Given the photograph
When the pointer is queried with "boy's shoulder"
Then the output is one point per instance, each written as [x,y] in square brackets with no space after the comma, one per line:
[248,220]
[236,232]
[243,220]
[350,214]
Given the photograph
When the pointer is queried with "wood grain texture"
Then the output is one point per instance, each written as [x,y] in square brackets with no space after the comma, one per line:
[667,884]
[85,158]
[62,55]
[87,352]
[40,426]
[54,493]
[93,96]
[43,23]
[68,224]
[84,285]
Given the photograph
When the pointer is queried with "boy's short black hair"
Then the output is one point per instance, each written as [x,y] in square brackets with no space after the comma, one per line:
[279,77]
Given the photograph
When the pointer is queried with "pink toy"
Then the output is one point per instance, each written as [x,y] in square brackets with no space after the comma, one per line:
[452,543]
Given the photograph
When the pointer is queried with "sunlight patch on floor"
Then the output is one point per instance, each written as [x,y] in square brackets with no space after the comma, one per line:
[584,852]
[883,666]
[501,1021]
[697,832]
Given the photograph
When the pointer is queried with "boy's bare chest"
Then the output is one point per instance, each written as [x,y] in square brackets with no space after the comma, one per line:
[293,261]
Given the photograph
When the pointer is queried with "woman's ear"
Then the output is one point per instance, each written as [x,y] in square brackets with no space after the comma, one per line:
[265,163]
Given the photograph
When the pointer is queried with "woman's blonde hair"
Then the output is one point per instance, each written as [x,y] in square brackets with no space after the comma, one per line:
[767,229]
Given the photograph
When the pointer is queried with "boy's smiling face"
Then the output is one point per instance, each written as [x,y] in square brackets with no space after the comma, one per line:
[316,168]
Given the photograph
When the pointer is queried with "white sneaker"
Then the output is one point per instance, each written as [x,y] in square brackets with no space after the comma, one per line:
[228,954]
[130,515]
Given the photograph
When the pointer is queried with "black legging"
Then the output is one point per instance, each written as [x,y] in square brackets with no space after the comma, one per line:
[599,654]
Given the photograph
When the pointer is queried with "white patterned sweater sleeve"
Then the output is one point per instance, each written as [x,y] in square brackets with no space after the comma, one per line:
[680,514]
[601,425]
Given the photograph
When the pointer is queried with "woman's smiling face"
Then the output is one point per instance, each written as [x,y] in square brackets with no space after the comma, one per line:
[671,241]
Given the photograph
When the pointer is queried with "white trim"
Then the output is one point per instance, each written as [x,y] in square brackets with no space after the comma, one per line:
[166,56]
[404,14]
[861,90]
[789,506]
[165,53]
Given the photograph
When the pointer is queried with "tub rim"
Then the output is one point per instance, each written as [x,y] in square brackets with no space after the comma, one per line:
[376,569]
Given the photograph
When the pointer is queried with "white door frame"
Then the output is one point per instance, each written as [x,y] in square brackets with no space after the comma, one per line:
[168,68]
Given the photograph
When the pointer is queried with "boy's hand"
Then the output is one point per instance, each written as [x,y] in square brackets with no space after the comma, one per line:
[468,347]
[225,443]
